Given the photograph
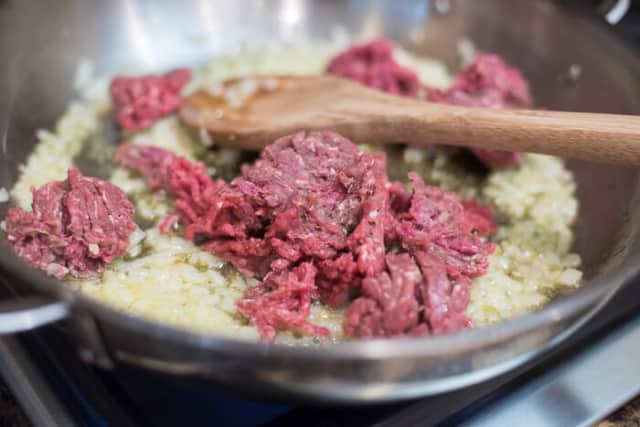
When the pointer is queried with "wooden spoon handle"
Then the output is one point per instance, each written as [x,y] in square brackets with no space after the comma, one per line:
[599,137]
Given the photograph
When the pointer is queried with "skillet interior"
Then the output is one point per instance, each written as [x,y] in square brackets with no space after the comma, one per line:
[37,79]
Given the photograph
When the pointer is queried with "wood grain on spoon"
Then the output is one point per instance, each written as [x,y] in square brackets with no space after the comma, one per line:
[366,115]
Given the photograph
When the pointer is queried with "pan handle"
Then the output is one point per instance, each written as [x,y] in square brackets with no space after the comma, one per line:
[24,314]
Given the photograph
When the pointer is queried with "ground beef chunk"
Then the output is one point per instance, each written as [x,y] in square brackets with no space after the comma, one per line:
[315,218]
[213,213]
[480,216]
[438,221]
[75,228]
[282,301]
[488,82]
[219,218]
[441,253]
[442,233]
[388,305]
[153,163]
[140,101]
[445,299]
[372,64]
[310,193]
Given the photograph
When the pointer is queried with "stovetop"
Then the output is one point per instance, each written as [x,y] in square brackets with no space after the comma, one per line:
[54,387]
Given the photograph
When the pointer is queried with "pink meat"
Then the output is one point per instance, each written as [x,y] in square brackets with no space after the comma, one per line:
[388,305]
[301,202]
[445,299]
[441,233]
[438,222]
[487,82]
[480,217]
[315,218]
[372,64]
[220,218]
[140,101]
[153,163]
[75,228]
[282,302]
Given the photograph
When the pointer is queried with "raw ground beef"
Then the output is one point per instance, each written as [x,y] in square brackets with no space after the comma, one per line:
[372,64]
[388,305]
[443,234]
[314,217]
[151,162]
[75,228]
[426,288]
[139,101]
[283,301]
[487,82]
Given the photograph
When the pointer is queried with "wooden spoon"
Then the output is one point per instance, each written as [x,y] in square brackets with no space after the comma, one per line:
[251,113]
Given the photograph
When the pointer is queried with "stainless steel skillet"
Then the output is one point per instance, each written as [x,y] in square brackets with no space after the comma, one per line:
[42,42]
